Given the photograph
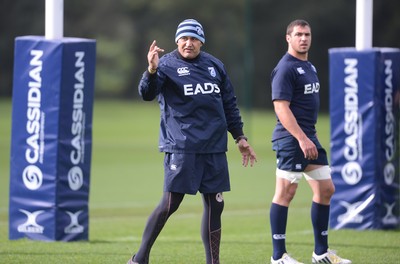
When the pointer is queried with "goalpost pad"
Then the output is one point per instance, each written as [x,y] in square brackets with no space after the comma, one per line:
[51,140]
[364,111]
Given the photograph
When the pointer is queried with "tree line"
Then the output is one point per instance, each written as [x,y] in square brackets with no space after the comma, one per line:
[247,35]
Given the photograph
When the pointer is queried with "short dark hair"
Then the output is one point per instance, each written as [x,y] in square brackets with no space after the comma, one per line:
[297,22]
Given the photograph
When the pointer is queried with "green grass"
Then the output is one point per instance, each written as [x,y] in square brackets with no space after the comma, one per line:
[126,184]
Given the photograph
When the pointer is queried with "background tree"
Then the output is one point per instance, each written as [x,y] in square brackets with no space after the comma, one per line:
[247,35]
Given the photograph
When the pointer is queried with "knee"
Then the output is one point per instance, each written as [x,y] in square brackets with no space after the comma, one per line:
[219,203]
[325,194]
[170,203]
[289,194]
[329,191]
[173,208]
[214,202]
[285,195]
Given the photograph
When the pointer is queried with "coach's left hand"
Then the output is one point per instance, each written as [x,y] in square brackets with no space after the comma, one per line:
[247,152]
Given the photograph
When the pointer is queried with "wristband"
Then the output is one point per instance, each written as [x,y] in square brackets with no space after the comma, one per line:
[239,138]
[151,70]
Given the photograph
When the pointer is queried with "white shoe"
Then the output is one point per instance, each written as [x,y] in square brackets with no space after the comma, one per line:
[285,259]
[329,257]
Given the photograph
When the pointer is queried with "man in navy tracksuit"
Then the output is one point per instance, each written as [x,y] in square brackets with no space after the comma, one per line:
[198,106]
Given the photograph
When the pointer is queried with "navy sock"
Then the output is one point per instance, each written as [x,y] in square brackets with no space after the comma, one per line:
[278,218]
[320,220]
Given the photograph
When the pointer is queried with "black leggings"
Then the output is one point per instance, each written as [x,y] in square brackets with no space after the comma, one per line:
[211,226]
[210,229]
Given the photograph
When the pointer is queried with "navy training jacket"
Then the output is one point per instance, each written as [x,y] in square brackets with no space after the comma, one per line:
[197,103]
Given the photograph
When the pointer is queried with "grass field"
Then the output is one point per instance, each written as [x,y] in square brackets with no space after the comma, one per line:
[126,184]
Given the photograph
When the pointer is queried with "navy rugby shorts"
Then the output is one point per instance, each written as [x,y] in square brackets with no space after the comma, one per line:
[290,157]
[190,173]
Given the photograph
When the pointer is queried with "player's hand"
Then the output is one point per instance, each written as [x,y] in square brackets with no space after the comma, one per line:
[247,152]
[152,56]
[309,149]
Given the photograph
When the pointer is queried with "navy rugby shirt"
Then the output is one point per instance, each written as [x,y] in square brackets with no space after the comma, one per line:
[296,81]
[197,103]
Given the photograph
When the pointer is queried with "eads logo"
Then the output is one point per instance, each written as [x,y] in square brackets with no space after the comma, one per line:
[206,88]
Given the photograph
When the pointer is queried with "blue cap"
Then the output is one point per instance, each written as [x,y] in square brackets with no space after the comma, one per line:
[190,28]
